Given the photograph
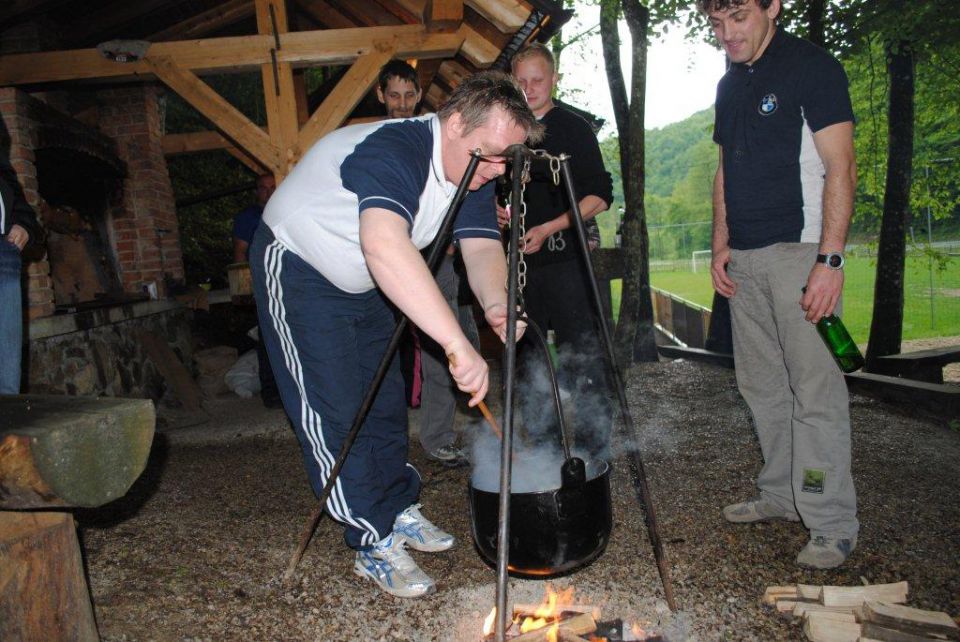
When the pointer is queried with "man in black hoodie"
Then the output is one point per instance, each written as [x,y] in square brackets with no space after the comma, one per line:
[18,226]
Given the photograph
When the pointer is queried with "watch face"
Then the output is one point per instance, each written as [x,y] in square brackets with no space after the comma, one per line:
[835,260]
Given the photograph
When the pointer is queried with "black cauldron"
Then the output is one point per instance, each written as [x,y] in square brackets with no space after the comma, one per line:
[551,532]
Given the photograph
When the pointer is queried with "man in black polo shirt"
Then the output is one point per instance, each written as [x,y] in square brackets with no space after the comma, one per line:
[557,294]
[782,200]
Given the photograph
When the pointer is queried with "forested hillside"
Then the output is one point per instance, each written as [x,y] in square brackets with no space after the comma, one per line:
[680,164]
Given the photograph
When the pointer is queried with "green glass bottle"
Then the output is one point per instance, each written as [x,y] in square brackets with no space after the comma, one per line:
[840,344]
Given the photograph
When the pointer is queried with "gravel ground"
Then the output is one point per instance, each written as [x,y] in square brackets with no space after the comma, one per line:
[195,551]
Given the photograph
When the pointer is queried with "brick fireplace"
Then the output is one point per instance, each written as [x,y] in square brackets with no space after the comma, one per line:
[90,163]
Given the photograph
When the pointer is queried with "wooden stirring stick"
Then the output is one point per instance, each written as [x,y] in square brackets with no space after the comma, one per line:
[490,419]
[483,409]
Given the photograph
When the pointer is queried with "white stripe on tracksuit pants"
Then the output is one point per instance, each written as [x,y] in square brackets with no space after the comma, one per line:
[324,346]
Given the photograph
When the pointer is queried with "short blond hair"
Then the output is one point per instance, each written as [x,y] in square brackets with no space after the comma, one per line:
[533,50]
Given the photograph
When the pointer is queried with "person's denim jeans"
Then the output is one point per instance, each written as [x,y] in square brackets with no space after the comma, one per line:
[11,320]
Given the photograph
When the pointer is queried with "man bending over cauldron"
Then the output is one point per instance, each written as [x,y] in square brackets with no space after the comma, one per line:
[338,246]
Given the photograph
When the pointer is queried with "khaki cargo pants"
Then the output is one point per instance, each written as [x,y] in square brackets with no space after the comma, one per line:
[795,391]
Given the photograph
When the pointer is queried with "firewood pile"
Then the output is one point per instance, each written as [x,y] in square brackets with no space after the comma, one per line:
[875,612]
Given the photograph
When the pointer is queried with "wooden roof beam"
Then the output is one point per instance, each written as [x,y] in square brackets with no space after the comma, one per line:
[507,15]
[201,24]
[443,15]
[177,144]
[323,13]
[477,49]
[322,47]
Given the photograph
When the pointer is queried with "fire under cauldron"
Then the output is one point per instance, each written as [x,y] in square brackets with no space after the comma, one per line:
[552,532]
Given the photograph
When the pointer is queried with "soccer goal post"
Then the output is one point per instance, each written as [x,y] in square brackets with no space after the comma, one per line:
[701,257]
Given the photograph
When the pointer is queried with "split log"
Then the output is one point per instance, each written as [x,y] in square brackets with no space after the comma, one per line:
[803,609]
[818,629]
[774,593]
[577,625]
[857,595]
[43,593]
[71,451]
[884,634]
[905,618]
[837,616]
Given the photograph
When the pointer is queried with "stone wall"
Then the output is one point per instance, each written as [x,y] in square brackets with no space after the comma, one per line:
[99,352]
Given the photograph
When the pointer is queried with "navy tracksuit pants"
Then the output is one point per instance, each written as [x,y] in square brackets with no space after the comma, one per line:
[324,346]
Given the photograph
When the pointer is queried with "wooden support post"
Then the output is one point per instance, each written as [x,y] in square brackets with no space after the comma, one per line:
[278,89]
[43,591]
[300,93]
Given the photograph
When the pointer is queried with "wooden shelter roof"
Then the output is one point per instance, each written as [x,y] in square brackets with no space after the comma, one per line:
[493,29]
[184,39]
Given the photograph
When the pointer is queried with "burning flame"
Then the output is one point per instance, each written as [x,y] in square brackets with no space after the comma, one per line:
[488,622]
[546,614]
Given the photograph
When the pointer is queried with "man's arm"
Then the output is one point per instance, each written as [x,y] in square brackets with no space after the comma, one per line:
[824,286]
[402,275]
[487,273]
[720,244]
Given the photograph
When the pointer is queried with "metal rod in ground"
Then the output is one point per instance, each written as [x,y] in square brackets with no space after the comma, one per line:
[436,252]
[509,376]
[636,461]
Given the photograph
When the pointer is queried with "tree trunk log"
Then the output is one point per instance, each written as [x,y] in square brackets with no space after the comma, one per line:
[886,328]
[43,593]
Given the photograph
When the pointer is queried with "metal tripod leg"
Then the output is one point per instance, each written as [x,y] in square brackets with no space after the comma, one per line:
[509,368]
[636,462]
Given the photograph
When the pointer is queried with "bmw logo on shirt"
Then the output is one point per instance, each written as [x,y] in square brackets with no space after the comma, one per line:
[768,105]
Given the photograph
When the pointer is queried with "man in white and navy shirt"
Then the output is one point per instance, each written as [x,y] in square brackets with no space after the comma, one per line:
[338,248]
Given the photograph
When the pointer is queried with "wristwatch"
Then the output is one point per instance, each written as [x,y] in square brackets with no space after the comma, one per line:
[833,260]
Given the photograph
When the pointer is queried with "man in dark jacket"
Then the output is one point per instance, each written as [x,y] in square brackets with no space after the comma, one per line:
[557,295]
[18,226]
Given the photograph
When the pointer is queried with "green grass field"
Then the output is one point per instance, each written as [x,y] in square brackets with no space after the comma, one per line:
[857,296]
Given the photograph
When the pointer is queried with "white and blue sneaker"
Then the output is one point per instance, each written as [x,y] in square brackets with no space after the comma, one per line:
[419,533]
[389,565]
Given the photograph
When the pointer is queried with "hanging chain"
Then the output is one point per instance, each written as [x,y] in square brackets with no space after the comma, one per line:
[522,218]
[522,222]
